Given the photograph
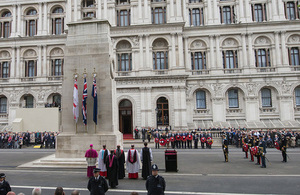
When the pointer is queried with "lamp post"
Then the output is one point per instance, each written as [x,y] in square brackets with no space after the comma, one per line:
[156,111]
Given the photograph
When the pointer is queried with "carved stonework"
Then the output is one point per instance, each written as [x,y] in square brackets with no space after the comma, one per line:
[41,96]
[123,45]
[230,43]
[57,52]
[251,87]
[294,39]
[127,90]
[160,43]
[4,55]
[286,87]
[198,44]
[217,88]
[30,53]
[262,41]
[13,95]
[135,40]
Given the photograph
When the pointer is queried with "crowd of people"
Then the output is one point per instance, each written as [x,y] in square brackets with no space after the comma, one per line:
[111,166]
[13,140]
[256,143]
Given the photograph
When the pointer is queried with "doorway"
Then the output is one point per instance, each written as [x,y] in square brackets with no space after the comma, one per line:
[125,117]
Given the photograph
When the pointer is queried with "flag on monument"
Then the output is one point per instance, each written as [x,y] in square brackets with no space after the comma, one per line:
[84,97]
[94,94]
[75,101]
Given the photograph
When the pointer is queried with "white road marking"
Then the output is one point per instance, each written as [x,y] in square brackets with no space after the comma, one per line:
[127,191]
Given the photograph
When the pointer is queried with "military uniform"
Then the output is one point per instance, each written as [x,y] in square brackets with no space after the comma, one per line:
[225,147]
[262,151]
[97,186]
[283,144]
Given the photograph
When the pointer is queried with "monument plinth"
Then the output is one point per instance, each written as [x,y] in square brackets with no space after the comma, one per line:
[87,52]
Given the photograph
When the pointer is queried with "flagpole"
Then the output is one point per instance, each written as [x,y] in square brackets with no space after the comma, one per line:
[94,88]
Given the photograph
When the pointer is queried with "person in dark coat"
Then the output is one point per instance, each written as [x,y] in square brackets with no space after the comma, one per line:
[121,160]
[4,185]
[97,185]
[155,183]
[111,163]
[146,159]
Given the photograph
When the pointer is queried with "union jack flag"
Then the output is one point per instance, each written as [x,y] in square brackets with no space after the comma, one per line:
[84,97]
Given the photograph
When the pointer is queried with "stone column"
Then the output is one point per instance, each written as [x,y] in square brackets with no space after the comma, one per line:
[285,61]
[180,50]
[140,10]
[209,12]
[248,17]
[173,62]
[286,108]
[75,10]
[99,9]
[14,21]
[44,70]
[40,20]
[216,12]
[281,8]
[68,12]
[241,6]
[149,107]
[273,56]
[39,61]
[19,29]
[172,10]
[18,64]
[186,53]
[143,106]
[274,10]
[105,9]
[244,53]
[211,48]
[183,107]
[146,11]
[142,64]
[277,49]
[176,107]
[148,58]
[185,13]
[45,26]
[252,108]
[178,10]
[218,63]
[250,52]
[13,62]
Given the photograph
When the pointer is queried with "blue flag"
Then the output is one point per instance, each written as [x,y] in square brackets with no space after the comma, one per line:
[94,94]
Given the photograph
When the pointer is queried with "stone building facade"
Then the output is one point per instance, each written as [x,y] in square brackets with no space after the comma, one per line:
[179,63]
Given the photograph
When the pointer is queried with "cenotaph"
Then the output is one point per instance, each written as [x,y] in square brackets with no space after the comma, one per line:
[88,53]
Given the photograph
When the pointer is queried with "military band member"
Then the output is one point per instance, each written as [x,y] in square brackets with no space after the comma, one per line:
[225,147]
[283,144]
[245,145]
[250,145]
[262,151]
[257,153]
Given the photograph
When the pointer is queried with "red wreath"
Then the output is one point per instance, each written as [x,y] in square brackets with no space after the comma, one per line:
[245,147]
[156,140]
[255,150]
[162,142]
[203,139]
[178,137]
[172,139]
[209,141]
[190,137]
[168,140]
[184,138]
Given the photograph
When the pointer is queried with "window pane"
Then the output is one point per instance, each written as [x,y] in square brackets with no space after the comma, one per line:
[266,98]
[31,68]
[294,56]
[29,101]
[58,26]
[32,29]
[201,100]
[290,9]
[297,96]
[3,105]
[233,99]
[5,70]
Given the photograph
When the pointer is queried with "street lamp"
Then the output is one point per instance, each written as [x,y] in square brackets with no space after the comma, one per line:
[156,111]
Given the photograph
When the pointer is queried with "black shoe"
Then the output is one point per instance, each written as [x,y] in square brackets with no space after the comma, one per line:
[263,167]
[257,164]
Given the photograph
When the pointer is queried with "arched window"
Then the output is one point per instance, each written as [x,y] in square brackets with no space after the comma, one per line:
[31,20]
[198,60]
[266,97]
[233,98]
[294,56]
[5,60]
[30,62]
[162,111]
[297,96]
[58,21]
[57,62]
[230,59]
[5,25]
[88,9]
[3,105]
[28,101]
[160,54]
[124,56]
[200,99]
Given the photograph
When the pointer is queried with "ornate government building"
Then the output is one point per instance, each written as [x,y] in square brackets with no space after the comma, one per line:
[179,63]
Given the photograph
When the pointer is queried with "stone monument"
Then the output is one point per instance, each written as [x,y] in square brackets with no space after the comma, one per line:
[87,52]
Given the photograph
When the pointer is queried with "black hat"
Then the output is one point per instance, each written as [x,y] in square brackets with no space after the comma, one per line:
[96,170]
[260,135]
[154,167]
[2,175]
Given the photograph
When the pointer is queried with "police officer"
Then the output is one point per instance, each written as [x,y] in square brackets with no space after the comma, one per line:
[225,147]
[4,185]
[155,183]
[97,185]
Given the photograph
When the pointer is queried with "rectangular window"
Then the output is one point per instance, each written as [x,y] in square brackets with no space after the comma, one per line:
[123,17]
[5,70]
[266,98]
[227,15]
[28,101]
[201,100]
[259,12]
[124,62]
[291,10]
[297,96]
[30,68]
[196,17]
[262,57]
[58,26]
[195,1]
[160,60]
[198,60]
[6,29]
[294,56]
[158,15]
[3,105]
[233,98]
[31,27]
[230,59]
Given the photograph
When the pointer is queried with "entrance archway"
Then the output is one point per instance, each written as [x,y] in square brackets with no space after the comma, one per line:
[162,107]
[125,117]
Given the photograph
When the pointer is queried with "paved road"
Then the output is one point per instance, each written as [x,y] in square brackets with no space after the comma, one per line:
[200,172]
